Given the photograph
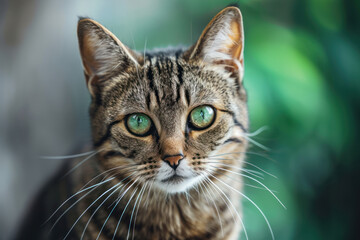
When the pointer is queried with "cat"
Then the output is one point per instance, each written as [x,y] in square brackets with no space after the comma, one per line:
[169,132]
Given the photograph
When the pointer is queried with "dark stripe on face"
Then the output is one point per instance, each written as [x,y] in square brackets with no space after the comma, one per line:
[239,124]
[177,92]
[157,96]
[107,134]
[180,73]
[150,77]
[113,153]
[157,65]
[187,96]
[148,101]
[236,140]
[236,122]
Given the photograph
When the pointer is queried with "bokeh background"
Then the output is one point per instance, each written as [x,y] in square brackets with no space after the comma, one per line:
[302,70]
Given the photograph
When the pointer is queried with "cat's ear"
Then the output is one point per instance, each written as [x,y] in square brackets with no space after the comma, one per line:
[102,53]
[222,42]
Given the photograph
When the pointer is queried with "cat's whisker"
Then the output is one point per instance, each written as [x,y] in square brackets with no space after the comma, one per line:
[109,170]
[136,214]
[247,163]
[216,208]
[93,214]
[263,185]
[257,173]
[253,165]
[119,188]
[148,196]
[247,152]
[121,192]
[210,187]
[187,198]
[217,187]
[77,220]
[256,143]
[93,187]
[250,172]
[82,161]
[201,184]
[251,201]
[240,181]
[112,210]
[117,226]
[67,156]
[132,212]
[258,131]
[249,185]
[196,188]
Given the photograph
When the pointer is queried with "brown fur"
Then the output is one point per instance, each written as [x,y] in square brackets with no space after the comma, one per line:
[166,86]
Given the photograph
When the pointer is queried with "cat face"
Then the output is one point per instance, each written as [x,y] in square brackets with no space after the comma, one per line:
[163,117]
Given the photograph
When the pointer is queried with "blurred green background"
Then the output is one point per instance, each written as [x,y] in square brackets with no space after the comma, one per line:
[302,70]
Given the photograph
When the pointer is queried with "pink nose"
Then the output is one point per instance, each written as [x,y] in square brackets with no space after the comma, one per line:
[173,160]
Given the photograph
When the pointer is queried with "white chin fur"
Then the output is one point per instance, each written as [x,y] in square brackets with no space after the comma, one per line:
[178,187]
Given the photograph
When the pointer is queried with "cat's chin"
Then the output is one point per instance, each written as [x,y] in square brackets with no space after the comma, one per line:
[176,184]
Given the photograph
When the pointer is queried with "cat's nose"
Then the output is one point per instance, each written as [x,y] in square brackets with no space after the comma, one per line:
[173,160]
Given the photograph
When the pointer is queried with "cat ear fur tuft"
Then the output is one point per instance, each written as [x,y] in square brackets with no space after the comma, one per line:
[101,51]
[222,42]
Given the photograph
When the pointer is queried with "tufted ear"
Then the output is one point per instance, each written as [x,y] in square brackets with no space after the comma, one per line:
[102,53]
[222,42]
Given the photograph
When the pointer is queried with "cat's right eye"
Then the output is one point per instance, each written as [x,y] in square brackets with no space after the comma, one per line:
[138,124]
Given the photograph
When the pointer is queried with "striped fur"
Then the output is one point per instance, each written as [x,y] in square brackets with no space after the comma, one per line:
[166,86]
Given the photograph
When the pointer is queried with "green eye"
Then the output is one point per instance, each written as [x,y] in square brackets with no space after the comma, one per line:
[202,117]
[138,124]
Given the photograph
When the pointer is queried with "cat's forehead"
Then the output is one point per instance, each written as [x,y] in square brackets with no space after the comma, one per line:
[169,83]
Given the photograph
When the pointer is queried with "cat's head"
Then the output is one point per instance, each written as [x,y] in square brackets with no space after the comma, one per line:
[166,117]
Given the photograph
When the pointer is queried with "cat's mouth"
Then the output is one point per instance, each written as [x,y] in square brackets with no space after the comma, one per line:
[174,179]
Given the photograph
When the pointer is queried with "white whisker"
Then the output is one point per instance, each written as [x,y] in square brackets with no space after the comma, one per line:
[251,172]
[132,212]
[263,185]
[256,143]
[138,210]
[216,208]
[116,185]
[67,156]
[246,197]
[117,226]
[93,187]
[257,132]
[118,201]
[249,185]
[240,219]
[251,164]
[82,161]
[93,214]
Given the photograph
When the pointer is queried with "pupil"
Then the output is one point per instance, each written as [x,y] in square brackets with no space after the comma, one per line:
[202,114]
[139,120]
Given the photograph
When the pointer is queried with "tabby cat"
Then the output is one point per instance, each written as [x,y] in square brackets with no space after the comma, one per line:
[169,133]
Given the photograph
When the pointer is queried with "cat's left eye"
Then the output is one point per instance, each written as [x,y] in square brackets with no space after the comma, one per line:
[202,117]
[138,124]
